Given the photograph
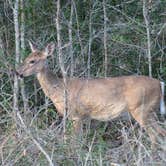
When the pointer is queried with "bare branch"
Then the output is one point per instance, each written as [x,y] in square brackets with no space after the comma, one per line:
[145,14]
[70,41]
[61,62]
[17,52]
[105,40]
[90,42]
[34,140]
[22,39]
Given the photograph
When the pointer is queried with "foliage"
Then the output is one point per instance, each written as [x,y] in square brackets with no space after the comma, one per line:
[127,55]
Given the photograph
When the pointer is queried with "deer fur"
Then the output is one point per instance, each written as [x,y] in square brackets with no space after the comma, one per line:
[103,98]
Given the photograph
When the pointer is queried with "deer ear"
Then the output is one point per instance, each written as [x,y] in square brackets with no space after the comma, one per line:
[33,48]
[48,51]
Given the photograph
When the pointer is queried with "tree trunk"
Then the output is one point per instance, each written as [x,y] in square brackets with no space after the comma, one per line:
[71,41]
[61,62]
[145,14]
[78,32]
[105,40]
[90,43]
[22,39]
[17,56]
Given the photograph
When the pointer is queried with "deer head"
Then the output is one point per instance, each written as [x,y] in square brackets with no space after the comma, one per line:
[36,61]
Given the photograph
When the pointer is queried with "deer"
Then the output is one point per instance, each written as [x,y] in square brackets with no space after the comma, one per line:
[101,99]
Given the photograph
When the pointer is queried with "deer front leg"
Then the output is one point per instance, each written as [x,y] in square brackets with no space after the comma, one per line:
[77,126]
[77,130]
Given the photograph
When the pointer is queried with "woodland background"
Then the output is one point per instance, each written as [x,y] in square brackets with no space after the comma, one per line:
[98,38]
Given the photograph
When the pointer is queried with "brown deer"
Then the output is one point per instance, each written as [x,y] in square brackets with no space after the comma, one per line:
[102,99]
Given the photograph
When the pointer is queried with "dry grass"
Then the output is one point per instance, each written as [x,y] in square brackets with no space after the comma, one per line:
[114,144]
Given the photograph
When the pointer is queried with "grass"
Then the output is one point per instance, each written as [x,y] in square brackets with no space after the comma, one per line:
[117,143]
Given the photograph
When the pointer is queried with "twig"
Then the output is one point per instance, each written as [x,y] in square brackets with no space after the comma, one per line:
[34,140]
[90,149]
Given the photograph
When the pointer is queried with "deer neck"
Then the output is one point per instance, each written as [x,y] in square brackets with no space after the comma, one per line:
[48,82]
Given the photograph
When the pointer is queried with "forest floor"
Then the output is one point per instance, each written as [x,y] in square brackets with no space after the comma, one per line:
[117,143]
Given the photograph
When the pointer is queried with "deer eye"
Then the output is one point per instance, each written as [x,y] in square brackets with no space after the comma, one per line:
[32,61]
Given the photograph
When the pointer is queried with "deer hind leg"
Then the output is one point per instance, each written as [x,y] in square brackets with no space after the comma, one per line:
[155,130]
[148,121]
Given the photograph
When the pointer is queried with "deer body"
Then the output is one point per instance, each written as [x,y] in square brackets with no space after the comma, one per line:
[101,99]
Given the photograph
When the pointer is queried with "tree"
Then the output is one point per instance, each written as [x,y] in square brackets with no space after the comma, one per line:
[17,55]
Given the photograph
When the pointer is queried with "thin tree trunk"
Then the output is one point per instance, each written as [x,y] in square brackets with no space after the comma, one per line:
[105,40]
[90,43]
[145,14]
[22,27]
[61,62]
[17,56]
[22,39]
[78,32]
[71,41]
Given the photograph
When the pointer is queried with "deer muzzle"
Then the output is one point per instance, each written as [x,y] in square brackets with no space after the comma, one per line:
[19,73]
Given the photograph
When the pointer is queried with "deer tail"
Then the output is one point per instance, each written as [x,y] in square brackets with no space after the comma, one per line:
[162,104]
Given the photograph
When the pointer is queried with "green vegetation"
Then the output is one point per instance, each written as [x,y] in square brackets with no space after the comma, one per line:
[118,142]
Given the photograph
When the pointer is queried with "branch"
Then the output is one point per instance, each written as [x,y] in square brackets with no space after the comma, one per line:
[17,55]
[145,14]
[34,140]
[105,39]
[61,62]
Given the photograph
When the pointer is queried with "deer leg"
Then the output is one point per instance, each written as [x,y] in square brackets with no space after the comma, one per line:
[77,130]
[153,135]
[149,123]
[155,130]
[140,116]
[157,134]
[77,125]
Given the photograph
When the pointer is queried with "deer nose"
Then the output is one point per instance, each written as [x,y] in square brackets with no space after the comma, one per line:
[21,76]
[18,73]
